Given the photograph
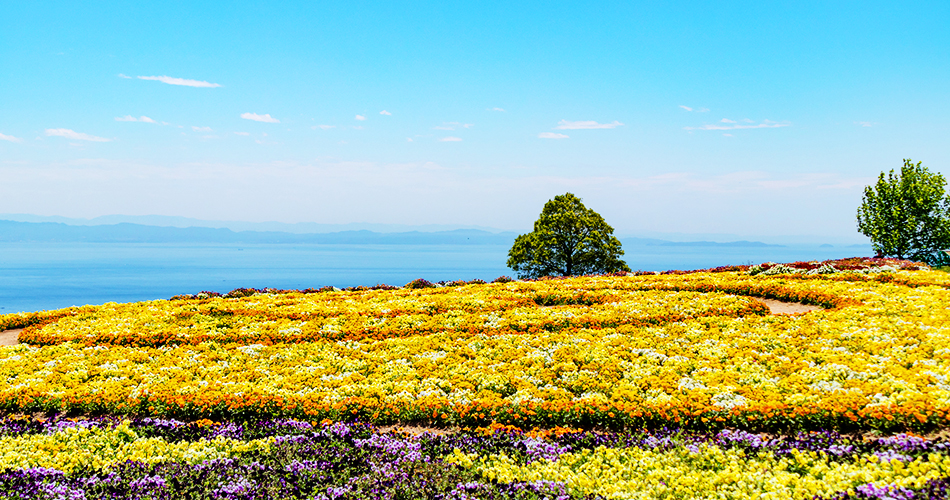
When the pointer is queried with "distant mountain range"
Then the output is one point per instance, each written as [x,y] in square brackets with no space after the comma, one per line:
[14,231]
[238,226]
[643,238]
[11,231]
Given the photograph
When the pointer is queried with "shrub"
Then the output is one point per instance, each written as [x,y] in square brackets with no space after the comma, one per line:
[419,284]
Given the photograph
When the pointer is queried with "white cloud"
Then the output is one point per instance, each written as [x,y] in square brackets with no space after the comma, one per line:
[323,127]
[727,135]
[260,118]
[733,126]
[360,117]
[552,135]
[180,81]
[450,139]
[71,134]
[130,118]
[242,133]
[726,120]
[497,109]
[584,125]
[124,76]
[453,125]
[408,139]
[687,108]
[384,112]
[201,129]
[864,124]
[10,138]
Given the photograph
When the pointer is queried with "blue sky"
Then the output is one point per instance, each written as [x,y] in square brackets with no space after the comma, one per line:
[761,118]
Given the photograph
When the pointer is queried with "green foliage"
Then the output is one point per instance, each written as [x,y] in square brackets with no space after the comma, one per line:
[569,239]
[907,215]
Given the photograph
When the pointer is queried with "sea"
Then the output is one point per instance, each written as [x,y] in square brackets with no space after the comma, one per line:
[43,276]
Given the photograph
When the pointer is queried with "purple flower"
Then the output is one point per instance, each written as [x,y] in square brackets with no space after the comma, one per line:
[539,449]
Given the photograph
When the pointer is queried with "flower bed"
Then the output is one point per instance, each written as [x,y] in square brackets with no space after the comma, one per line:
[622,357]
[107,458]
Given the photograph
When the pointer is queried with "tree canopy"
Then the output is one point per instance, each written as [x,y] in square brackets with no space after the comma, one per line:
[907,215]
[569,239]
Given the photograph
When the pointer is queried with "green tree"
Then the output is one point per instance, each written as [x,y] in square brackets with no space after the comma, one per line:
[907,215]
[569,239]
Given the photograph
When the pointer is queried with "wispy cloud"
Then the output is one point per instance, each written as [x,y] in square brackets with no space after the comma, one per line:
[323,127]
[201,129]
[726,120]
[260,118]
[242,133]
[384,112]
[698,110]
[71,134]
[731,125]
[130,118]
[408,139]
[180,81]
[552,135]
[360,117]
[687,108]
[497,109]
[864,124]
[450,139]
[10,138]
[453,126]
[585,125]
[124,76]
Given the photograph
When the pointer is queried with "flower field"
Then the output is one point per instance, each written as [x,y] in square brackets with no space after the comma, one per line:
[674,385]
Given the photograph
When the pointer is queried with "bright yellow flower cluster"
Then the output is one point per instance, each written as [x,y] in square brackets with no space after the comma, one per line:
[879,356]
[707,471]
[79,448]
[379,314]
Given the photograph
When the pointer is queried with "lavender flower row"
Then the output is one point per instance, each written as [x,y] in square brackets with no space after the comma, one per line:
[904,447]
[329,461]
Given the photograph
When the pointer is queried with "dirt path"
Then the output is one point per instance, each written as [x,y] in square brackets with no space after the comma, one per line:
[779,307]
[9,337]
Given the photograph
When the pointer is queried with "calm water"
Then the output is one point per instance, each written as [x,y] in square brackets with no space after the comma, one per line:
[39,276]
